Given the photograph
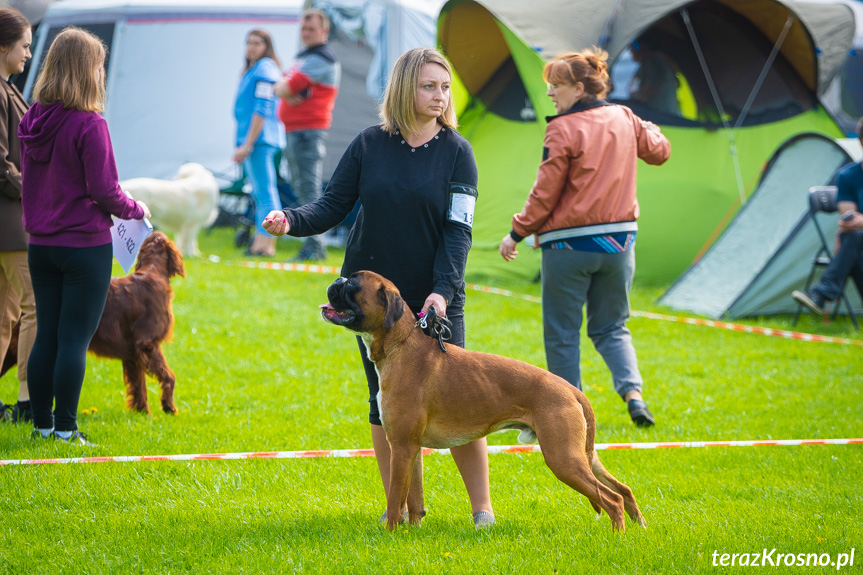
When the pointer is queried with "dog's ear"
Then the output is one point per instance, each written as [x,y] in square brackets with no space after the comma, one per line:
[393,304]
[147,248]
[176,267]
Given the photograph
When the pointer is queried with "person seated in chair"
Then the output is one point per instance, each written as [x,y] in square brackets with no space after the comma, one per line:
[655,82]
[848,258]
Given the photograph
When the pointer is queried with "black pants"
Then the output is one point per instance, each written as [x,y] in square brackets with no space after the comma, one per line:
[848,261]
[455,315]
[71,286]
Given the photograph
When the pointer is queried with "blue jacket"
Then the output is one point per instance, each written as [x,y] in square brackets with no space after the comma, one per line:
[849,181]
[255,96]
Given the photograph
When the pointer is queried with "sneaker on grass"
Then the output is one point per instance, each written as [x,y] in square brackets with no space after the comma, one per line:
[42,434]
[483,519]
[75,437]
[811,299]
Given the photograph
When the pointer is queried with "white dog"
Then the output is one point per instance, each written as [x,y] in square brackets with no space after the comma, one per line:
[181,206]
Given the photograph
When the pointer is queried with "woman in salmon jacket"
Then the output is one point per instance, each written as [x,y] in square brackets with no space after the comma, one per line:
[583,211]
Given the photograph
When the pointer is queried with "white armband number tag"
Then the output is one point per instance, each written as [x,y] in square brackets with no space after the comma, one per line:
[264,90]
[462,201]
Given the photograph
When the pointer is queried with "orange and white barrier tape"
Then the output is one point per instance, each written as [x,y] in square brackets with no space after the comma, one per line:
[694,321]
[750,328]
[492,449]
[308,268]
[801,336]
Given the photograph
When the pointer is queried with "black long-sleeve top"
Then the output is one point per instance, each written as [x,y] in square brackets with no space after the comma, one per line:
[414,224]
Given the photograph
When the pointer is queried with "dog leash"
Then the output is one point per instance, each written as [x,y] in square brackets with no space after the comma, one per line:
[439,327]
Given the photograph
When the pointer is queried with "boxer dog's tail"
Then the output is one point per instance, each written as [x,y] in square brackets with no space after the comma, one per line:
[589,439]
[589,422]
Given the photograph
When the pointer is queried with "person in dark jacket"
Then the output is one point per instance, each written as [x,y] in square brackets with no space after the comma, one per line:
[70,189]
[16,290]
[848,248]
[415,178]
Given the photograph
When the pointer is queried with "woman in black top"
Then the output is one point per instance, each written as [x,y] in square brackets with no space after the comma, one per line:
[415,178]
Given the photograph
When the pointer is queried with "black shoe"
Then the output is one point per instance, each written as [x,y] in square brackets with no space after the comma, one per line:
[639,413]
[21,412]
[5,412]
[811,299]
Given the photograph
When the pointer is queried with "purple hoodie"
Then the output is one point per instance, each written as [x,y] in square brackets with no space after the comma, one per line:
[69,183]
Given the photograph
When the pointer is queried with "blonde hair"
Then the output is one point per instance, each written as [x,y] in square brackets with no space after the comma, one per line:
[74,72]
[398,109]
[588,67]
[312,12]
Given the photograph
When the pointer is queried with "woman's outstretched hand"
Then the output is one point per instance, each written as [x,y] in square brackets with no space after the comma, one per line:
[276,223]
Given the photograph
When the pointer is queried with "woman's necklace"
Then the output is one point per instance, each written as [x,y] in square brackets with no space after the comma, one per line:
[423,138]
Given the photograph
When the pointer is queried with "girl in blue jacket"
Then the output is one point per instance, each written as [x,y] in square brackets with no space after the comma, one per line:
[260,135]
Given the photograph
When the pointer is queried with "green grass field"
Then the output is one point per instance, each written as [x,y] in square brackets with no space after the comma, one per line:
[258,370]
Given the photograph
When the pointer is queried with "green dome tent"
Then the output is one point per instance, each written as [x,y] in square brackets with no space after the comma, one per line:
[748,74]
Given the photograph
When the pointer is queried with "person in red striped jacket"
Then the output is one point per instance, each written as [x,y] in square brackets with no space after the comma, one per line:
[308,93]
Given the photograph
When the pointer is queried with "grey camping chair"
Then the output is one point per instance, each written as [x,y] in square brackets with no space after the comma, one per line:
[823,199]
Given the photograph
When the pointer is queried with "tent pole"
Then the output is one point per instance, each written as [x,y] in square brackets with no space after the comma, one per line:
[758,83]
[605,38]
[728,129]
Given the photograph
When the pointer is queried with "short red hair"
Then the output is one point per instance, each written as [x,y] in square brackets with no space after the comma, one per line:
[588,67]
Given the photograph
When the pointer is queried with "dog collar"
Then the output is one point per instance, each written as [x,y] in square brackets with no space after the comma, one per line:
[390,350]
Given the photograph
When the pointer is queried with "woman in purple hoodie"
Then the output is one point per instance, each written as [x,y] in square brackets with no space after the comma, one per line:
[69,191]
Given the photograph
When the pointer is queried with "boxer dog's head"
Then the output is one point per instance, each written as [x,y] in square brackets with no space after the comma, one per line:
[363,302]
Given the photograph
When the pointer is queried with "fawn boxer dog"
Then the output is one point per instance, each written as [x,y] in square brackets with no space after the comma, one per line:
[435,398]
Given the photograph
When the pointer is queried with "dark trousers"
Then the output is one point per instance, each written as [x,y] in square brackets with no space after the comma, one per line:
[305,152]
[848,261]
[71,286]
[456,316]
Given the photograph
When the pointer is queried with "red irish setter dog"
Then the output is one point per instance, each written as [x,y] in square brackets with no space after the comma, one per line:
[137,319]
